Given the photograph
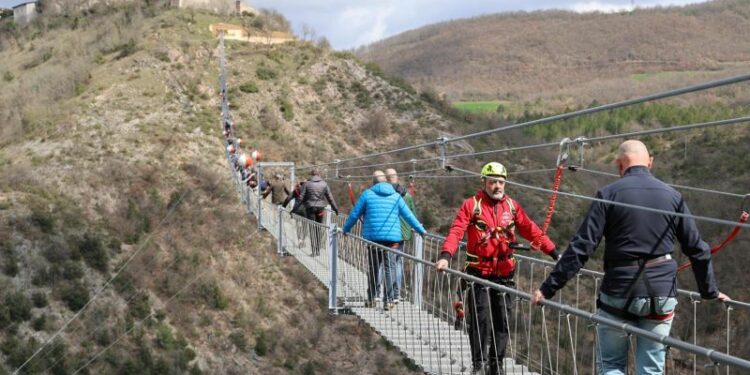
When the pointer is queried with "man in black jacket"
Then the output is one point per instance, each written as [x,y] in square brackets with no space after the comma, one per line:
[639,285]
[315,196]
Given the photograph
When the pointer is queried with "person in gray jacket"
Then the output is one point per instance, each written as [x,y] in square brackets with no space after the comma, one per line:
[315,196]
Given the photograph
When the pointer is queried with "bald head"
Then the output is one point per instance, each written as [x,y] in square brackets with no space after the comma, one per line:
[632,153]
[391,175]
[378,176]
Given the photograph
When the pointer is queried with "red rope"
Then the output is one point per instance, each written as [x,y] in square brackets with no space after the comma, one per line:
[553,197]
[730,237]
[351,194]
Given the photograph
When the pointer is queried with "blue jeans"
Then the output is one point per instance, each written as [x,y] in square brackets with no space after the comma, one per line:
[394,272]
[397,271]
[614,345]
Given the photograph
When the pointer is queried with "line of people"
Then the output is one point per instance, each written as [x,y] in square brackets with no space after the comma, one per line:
[639,285]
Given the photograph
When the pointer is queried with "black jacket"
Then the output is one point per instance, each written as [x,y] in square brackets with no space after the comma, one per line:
[316,194]
[632,234]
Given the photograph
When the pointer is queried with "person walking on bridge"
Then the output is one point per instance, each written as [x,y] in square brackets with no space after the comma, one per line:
[639,285]
[315,196]
[277,189]
[381,206]
[491,219]
[397,261]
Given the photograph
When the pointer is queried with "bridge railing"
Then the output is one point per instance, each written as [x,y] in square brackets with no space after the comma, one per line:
[560,338]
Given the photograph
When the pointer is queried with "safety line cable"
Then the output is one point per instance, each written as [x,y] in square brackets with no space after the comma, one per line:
[621,204]
[678,186]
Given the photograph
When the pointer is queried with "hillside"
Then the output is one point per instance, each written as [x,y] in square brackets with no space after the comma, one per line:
[567,58]
[111,156]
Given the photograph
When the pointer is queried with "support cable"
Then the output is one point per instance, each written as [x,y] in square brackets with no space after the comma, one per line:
[621,204]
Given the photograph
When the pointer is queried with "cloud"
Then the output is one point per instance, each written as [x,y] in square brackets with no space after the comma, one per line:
[596,6]
[623,6]
[366,24]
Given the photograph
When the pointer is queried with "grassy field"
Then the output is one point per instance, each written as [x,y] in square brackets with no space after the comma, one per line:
[480,106]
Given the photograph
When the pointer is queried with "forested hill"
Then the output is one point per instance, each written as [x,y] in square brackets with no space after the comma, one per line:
[566,56]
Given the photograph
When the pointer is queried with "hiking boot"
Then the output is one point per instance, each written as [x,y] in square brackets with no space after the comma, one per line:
[368,304]
[478,370]
[396,301]
[388,306]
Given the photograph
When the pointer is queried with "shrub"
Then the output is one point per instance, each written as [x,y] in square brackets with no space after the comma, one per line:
[261,343]
[375,124]
[125,49]
[19,307]
[94,252]
[4,317]
[266,73]
[239,340]
[8,76]
[42,220]
[75,295]
[212,295]
[39,299]
[162,56]
[39,323]
[72,270]
[165,338]
[249,87]
[10,266]
[139,306]
[285,106]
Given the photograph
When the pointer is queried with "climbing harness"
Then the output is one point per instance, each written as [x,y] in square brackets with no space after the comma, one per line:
[743,219]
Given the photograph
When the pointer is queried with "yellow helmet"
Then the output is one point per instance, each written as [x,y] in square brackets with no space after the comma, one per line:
[494,169]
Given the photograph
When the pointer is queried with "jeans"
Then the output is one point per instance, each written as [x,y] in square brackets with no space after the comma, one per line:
[378,258]
[614,345]
[396,266]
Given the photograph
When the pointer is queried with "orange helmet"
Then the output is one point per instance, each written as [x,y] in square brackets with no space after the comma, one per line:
[256,155]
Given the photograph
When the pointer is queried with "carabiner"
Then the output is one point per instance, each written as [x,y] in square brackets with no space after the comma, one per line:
[562,156]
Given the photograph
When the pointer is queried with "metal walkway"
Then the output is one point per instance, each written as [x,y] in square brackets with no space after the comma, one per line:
[430,341]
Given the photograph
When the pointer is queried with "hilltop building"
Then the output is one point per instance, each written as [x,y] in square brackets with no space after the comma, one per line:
[25,12]
[236,32]
[217,6]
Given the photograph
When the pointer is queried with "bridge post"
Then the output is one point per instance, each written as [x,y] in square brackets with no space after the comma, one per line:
[260,198]
[418,274]
[332,272]
[280,239]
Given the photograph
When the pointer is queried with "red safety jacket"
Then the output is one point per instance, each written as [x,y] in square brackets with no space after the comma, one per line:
[491,227]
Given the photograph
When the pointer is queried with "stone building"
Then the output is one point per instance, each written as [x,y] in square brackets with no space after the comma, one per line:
[217,6]
[25,12]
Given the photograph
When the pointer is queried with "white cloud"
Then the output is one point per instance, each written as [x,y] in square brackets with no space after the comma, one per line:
[596,6]
[623,6]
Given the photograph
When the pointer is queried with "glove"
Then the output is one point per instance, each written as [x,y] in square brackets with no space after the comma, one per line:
[554,254]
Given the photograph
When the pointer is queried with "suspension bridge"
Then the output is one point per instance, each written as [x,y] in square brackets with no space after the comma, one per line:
[558,337]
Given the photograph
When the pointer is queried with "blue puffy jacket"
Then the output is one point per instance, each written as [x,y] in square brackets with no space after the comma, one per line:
[382,206]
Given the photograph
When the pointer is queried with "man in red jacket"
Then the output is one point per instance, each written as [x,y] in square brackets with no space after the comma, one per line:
[491,219]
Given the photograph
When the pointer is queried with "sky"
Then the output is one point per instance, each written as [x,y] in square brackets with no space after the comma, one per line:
[352,23]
